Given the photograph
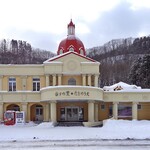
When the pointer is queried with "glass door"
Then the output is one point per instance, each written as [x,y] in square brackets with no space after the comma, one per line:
[72,114]
[39,113]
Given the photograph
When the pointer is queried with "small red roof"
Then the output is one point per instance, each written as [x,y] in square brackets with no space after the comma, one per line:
[71,24]
[71,43]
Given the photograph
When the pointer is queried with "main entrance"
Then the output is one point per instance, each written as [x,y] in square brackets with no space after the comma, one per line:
[71,114]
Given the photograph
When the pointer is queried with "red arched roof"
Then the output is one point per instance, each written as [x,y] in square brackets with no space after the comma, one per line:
[71,43]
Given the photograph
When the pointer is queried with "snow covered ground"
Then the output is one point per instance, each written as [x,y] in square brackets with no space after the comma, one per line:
[112,129]
[114,133]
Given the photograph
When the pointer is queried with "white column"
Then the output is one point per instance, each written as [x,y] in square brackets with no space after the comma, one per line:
[24,108]
[96,112]
[1,83]
[96,80]
[47,80]
[115,110]
[46,112]
[89,80]
[134,110]
[1,111]
[91,111]
[53,112]
[84,80]
[59,79]
[54,80]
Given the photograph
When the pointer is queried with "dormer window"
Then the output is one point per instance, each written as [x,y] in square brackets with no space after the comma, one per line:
[71,49]
[61,51]
[81,52]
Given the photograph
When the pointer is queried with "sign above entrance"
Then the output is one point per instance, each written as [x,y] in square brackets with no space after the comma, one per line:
[72,93]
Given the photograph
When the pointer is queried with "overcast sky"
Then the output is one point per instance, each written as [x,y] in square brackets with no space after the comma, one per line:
[43,23]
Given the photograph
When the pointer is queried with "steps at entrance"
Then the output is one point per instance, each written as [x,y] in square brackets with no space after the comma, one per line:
[68,124]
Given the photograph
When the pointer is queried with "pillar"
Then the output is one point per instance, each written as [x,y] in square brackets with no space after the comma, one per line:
[134,110]
[1,83]
[1,111]
[115,110]
[59,79]
[91,111]
[54,80]
[96,112]
[47,80]
[89,80]
[53,112]
[46,112]
[96,80]
[24,108]
[84,80]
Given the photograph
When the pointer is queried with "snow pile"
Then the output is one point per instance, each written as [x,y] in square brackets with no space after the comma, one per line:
[112,129]
[127,129]
[120,86]
[45,125]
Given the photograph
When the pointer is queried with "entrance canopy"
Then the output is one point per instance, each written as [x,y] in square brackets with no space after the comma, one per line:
[71,92]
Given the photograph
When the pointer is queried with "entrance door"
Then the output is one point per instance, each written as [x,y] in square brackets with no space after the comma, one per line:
[72,114]
[39,113]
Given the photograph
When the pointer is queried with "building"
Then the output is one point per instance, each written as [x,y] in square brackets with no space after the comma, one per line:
[65,89]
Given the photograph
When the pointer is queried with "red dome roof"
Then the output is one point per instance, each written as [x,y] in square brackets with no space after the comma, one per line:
[71,43]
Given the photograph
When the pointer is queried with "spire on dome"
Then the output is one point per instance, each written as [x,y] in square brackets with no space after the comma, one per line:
[71,43]
[71,28]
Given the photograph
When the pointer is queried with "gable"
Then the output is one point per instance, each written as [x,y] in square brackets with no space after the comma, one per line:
[73,63]
[65,56]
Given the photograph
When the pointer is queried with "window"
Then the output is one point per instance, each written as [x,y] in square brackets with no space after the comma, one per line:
[102,107]
[71,81]
[36,84]
[61,51]
[16,108]
[139,106]
[81,52]
[71,49]
[12,84]
[124,110]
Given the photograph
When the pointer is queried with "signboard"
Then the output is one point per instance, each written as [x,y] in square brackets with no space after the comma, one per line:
[72,93]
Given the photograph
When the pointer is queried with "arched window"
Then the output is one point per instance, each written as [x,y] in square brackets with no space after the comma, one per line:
[71,49]
[81,52]
[71,81]
[61,51]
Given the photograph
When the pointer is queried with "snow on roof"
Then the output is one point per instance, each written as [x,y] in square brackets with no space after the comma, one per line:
[120,86]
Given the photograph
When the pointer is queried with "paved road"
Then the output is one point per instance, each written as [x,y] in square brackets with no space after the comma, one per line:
[77,145]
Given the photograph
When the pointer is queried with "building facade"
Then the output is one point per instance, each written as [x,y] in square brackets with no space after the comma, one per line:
[65,89]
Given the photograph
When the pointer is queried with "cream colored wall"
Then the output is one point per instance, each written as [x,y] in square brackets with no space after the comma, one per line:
[42,81]
[29,83]
[104,113]
[122,96]
[21,70]
[144,112]
[18,83]
[71,64]
[5,83]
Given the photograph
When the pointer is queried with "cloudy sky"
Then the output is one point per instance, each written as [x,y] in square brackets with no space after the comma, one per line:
[43,23]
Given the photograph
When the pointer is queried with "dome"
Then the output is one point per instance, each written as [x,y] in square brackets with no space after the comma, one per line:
[71,43]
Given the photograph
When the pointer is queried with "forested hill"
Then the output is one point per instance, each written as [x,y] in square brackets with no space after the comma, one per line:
[126,60]
[21,52]
[119,60]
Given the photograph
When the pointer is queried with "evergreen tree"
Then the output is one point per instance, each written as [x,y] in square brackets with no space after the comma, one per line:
[140,72]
